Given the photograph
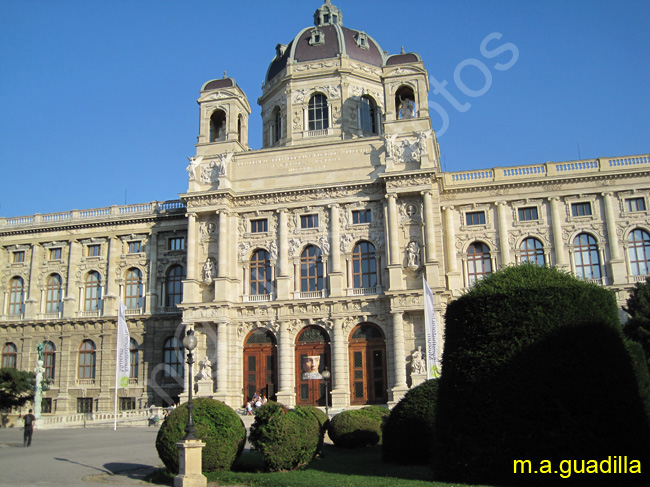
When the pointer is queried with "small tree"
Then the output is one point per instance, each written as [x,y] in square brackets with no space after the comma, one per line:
[637,328]
[16,388]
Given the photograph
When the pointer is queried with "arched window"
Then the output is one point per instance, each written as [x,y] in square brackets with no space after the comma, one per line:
[405,103]
[368,115]
[318,113]
[87,360]
[9,356]
[134,359]
[174,284]
[276,127]
[364,265]
[532,250]
[586,258]
[218,126]
[239,129]
[93,296]
[49,360]
[133,289]
[53,294]
[311,269]
[638,251]
[173,358]
[260,273]
[479,263]
[16,296]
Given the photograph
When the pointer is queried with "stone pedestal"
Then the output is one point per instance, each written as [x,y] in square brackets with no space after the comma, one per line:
[190,464]
[204,388]
[417,379]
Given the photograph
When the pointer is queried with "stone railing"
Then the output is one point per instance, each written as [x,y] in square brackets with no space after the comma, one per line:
[136,417]
[547,170]
[76,216]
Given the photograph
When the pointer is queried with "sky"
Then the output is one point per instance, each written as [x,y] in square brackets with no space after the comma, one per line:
[98,98]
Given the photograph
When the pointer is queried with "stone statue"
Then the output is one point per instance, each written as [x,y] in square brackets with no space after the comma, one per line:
[406,108]
[417,362]
[191,169]
[413,254]
[273,250]
[389,142]
[208,271]
[204,370]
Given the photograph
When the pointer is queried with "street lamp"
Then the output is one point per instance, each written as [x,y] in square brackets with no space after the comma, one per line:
[326,378]
[189,342]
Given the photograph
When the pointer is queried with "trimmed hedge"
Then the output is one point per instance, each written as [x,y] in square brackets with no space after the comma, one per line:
[409,430]
[357,428]
[286,438]
[323,421]
[535,368]
[217,425]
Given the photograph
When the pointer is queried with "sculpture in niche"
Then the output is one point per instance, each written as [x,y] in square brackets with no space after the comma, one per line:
[191,169]
[406,108]
[418,365]
[204,369]
[413,255]
[208,272]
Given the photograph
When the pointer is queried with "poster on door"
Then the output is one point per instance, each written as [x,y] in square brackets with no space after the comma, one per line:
[310,365]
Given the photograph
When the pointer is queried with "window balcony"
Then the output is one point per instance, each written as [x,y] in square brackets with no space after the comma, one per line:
[133,311]
[316,133]
[50,316]
[85,382]
[364,291]
[635,279]
[90,314]
[258,298]
[310,294]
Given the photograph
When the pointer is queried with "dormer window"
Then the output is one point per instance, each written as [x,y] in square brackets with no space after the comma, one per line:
[317,37]
[361,39]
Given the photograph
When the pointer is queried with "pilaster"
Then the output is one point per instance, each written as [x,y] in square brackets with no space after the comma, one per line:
[340,367]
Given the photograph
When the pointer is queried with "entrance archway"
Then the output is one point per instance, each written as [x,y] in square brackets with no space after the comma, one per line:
[367,365]
[312,357]
[260,364]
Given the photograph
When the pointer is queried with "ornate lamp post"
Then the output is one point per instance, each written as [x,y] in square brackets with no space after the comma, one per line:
[326,378]
[189,342]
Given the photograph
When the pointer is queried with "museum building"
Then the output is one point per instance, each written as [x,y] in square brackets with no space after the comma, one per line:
[309,252]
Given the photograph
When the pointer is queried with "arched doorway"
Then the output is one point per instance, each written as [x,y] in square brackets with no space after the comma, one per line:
[367,365]
[260,364]
[312,357]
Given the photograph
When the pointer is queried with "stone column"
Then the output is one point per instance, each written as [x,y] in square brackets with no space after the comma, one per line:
[283,278]
[556,224]
[504,245]
[450,239]
[336,273]
[286,353]
[222,256]
[190,464]
[429,230]
[222,361]
[618,271]
[393,236]
[190,285]
[152,294]
[340,370]
[399,357]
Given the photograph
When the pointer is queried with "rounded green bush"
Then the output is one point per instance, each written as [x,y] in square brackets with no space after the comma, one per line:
[286,438]
[535,367]
[358,428]
[409,430]
[323,421]
[217,425]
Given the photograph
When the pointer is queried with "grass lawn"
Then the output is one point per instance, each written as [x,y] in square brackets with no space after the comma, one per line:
[339,467]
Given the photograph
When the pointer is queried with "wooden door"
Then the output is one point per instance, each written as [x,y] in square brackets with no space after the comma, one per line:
[310,387]
[260,365]
[367,366]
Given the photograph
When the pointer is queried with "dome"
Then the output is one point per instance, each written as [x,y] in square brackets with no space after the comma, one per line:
[325,40]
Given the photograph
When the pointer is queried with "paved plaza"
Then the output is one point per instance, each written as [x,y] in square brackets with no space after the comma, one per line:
[73,457]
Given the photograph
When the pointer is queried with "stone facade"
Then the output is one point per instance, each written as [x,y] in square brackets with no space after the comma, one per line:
[314,247]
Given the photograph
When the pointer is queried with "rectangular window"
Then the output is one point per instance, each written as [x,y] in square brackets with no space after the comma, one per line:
[46,405]
[84,405]
[94,250]
[135,247]
[635,204]
[176,243]
[19,256]
[308,221]
[127,403]
[361,216]
[528,214]
[55,254]
[475,218]
[259,226]
[581,209]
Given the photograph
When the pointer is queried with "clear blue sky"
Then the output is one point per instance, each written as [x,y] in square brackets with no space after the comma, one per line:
[98,98]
